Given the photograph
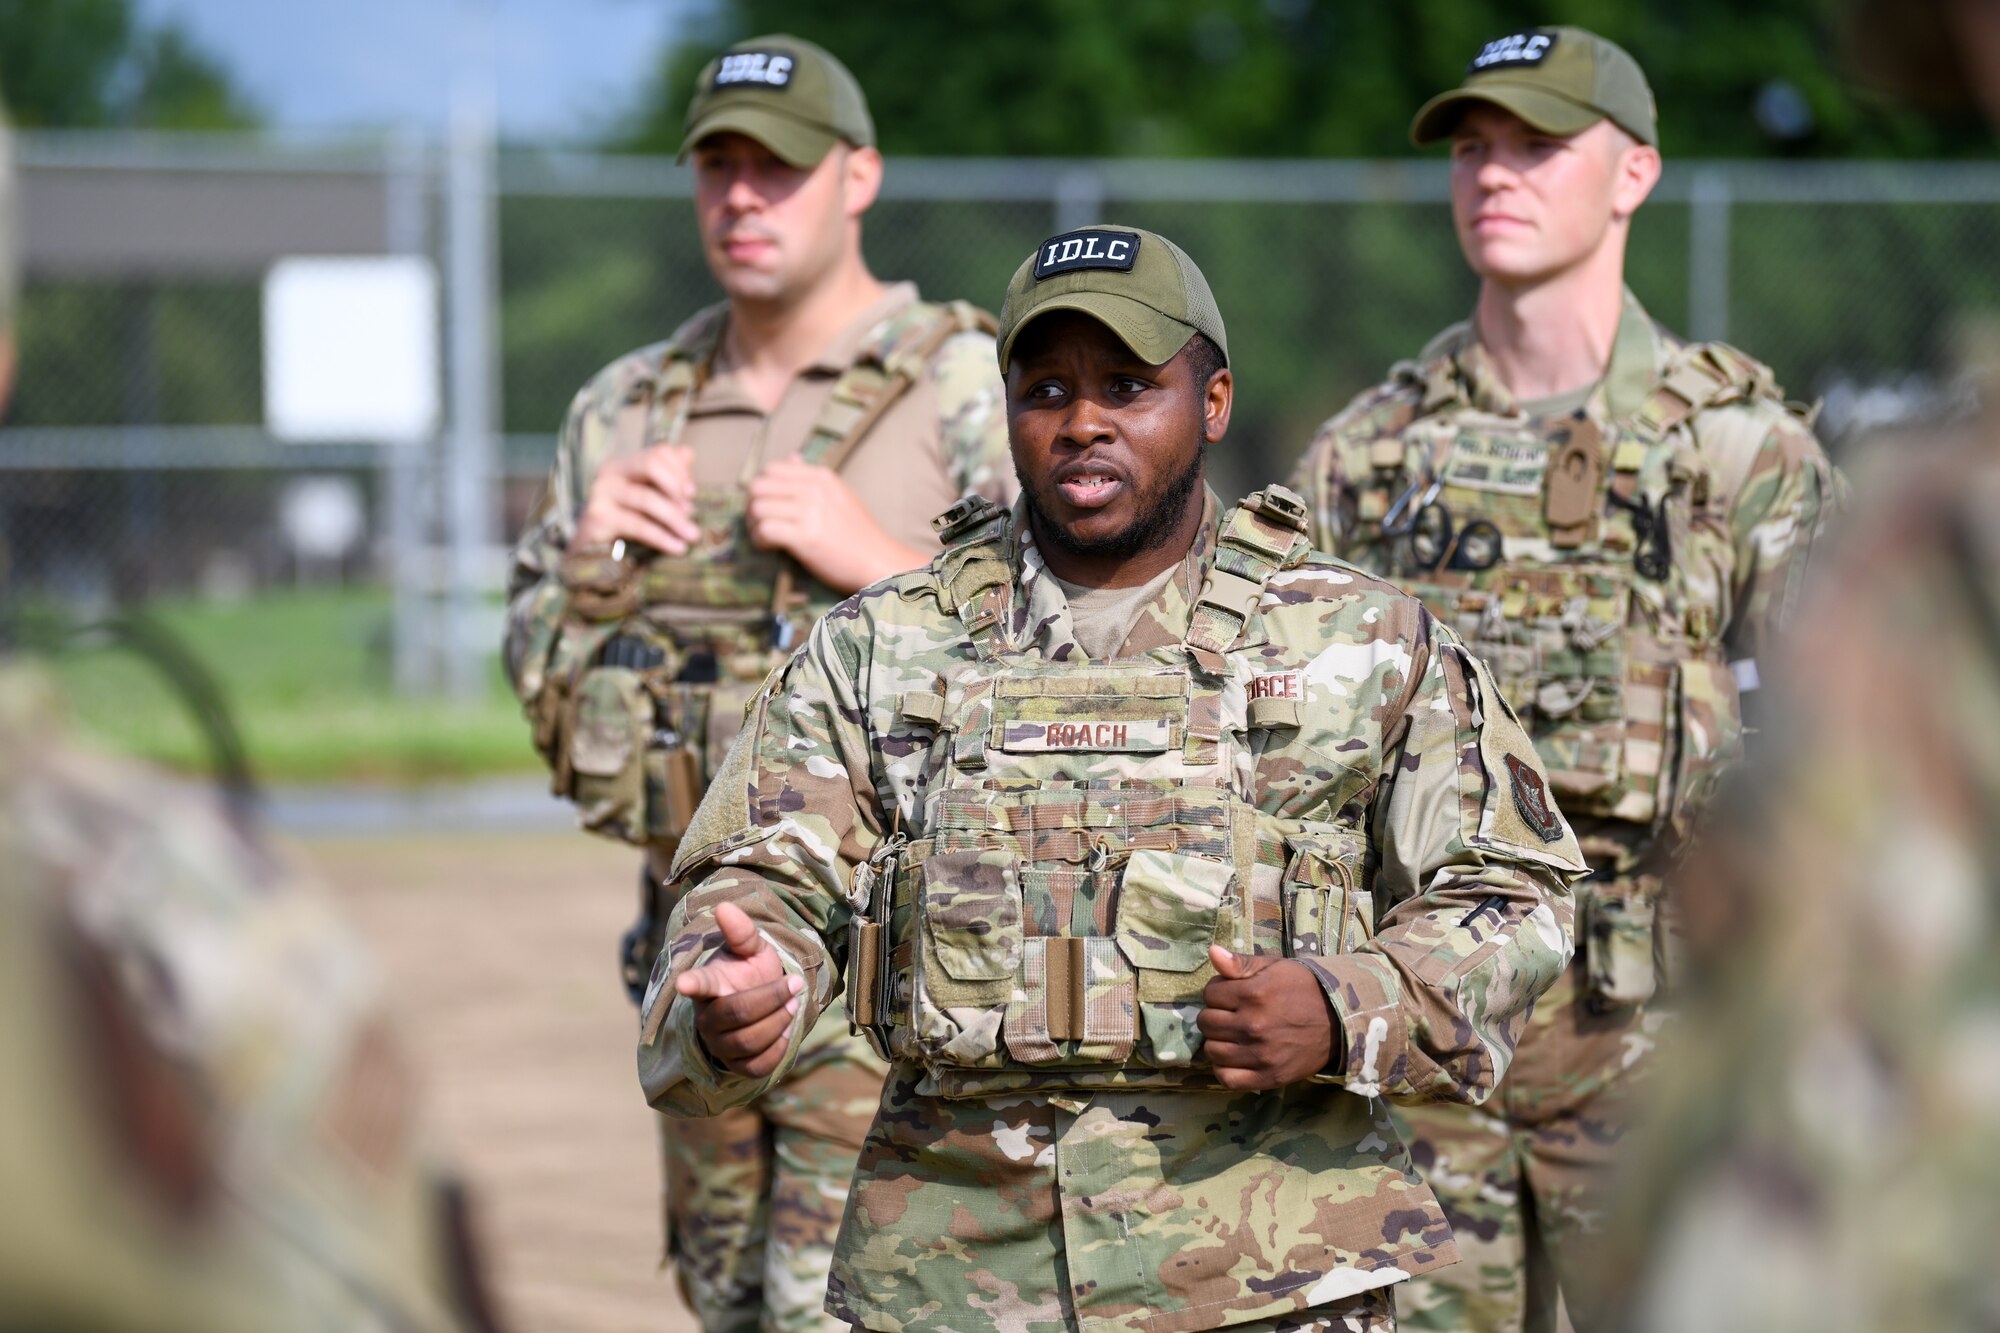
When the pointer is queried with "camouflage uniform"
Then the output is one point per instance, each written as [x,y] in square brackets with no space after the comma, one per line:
[208,1125]
[1013,861]
[1824,1151]
[1636,556]
[752,1195]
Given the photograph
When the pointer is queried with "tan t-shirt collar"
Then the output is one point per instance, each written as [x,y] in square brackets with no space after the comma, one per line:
[722,393]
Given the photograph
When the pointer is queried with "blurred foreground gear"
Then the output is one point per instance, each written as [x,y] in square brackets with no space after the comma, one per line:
[205,1120]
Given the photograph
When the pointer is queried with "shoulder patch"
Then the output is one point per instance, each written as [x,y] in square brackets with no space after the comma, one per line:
[1531,798]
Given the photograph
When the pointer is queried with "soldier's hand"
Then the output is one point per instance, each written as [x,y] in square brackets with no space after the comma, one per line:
[809,511]
[647,497]
[1266,1021]
[743,1001]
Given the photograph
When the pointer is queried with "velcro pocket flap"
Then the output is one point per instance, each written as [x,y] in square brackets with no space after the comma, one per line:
[972,909]
[1168,907]
[613,713]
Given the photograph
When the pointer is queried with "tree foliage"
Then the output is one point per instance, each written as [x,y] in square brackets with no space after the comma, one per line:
[1294,78]
[91,64]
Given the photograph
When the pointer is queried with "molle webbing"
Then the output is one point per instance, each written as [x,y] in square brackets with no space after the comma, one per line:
[1066,824]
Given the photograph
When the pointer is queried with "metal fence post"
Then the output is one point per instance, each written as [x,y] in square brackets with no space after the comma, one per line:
[1709,203]
[1079,199]
[405,511]
[470,491]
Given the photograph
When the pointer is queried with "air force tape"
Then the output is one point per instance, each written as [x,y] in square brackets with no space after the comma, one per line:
[1088,248]
[1520,49]
[761,69]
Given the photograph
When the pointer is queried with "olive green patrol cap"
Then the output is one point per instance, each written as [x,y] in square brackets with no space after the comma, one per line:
[1138,284]
[786,93]
[1559,80]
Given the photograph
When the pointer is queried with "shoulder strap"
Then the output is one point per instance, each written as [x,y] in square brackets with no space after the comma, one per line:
[975,572]
[1435,371]
[656,407]
[1699,376]
[1267,532]
[891,360]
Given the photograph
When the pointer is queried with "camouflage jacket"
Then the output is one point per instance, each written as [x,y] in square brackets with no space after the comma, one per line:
[987,1198]
[1622,629]
[1823,1149]
[972,433]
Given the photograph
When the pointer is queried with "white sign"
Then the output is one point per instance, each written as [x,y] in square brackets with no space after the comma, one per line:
[351,349]
[322,517]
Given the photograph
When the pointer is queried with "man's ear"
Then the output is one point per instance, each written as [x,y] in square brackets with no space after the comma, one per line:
[1638,173]
[1216,402]
[864,179]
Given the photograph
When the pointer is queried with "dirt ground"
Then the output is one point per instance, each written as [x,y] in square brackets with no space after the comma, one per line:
[498,950]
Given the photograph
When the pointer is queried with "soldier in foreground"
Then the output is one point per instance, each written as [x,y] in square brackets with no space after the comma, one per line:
[1153,849]
[1827,1155]
[712,496]
[207,1124]
[1616,521]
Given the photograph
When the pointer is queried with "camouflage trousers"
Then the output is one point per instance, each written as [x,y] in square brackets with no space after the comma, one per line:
[1524,1178]
[754,1196]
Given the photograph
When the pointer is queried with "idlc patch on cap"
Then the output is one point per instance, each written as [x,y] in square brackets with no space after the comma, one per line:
[1518,49]
[1089,248]
[764,69]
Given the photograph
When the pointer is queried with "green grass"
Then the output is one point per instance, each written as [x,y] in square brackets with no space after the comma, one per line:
[306,677]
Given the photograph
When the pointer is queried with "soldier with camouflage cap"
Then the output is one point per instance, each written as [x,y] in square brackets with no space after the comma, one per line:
[1616,521]
[1154,850]
[712,495]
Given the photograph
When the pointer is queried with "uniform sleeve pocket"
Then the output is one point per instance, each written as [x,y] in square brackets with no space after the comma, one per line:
[972,909]
[1168,907]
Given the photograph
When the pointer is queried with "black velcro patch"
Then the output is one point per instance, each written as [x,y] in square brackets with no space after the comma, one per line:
[758,69]
[1520,49]
[1089,248]
[1531,798]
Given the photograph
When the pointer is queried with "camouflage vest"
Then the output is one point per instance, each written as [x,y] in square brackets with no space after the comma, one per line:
[639,744]
[1583,565]
[1082,844]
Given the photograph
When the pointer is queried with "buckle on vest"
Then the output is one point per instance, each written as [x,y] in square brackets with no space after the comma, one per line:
[1232,593]
[963,517]
[1283,506]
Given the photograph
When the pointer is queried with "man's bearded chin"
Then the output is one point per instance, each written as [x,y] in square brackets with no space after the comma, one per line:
[1155,524]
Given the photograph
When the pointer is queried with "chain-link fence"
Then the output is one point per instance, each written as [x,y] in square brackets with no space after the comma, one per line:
[135,461]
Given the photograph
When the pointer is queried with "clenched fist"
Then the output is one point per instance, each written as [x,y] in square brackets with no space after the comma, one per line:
[1266,1021]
